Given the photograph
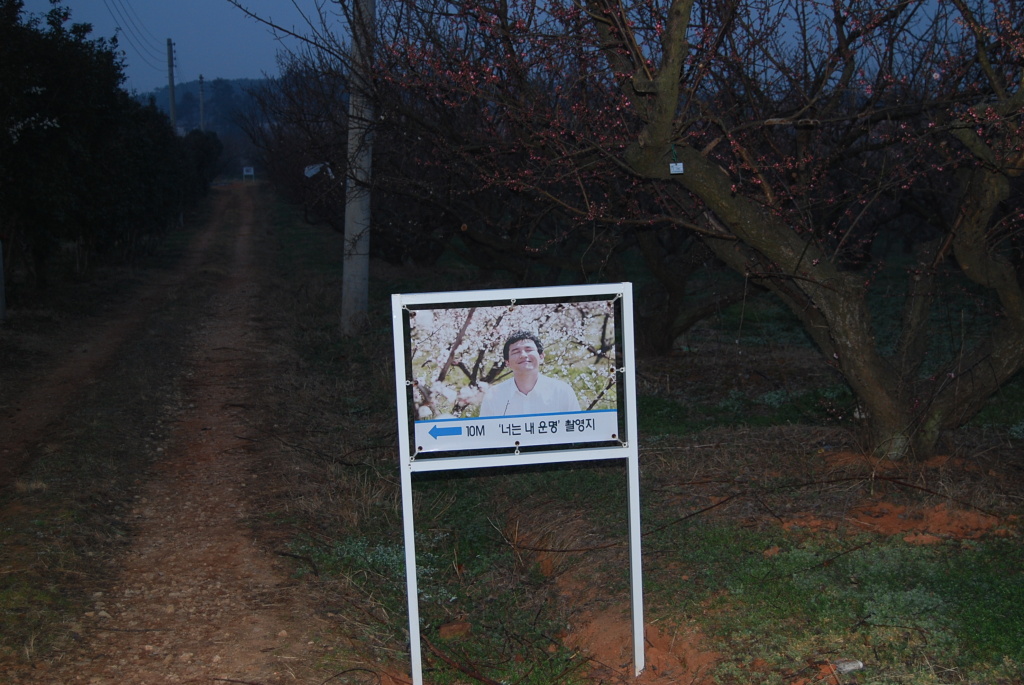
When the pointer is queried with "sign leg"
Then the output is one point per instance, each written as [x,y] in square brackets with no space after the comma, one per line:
[410,576]
[635,565]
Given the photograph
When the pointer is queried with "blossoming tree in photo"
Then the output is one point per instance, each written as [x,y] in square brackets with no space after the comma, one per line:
[457,353]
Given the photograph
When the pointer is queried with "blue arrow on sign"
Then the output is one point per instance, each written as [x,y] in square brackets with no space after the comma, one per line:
[438,432]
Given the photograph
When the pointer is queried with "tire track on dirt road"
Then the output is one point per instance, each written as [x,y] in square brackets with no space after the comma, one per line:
[196,600]
[30,417]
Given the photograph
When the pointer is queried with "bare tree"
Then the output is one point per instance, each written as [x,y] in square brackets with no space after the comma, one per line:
[797,139]
[805,143]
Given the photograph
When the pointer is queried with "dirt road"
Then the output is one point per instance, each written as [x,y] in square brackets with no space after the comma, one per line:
[195,599]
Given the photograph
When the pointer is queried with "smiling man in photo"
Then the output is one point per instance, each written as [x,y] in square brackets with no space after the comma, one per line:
[528,391]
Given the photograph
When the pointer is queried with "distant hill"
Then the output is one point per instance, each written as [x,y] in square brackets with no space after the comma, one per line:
[223,102]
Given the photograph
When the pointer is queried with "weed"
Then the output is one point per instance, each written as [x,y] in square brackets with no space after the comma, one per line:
[663,416]
[951,604]
[1005,409]
[761,320]
[912,614]
[815,407]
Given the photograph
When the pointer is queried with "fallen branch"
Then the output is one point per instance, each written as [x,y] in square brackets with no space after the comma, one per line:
[352,670]
[301,557]
[694,513]
[954,500]
[462,668]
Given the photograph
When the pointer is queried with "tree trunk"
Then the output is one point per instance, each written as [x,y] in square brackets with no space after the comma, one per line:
[906,415]
[668,308]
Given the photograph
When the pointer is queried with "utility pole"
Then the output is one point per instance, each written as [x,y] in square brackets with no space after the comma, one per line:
[170,84]
[355,274]
[202,105]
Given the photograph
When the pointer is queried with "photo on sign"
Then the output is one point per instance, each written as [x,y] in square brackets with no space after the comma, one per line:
[469,362]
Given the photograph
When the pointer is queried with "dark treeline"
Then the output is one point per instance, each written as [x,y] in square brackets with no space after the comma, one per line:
[85,169]
[218,106]
[214,104]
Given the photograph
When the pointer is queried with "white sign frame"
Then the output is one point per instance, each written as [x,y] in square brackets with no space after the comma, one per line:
[625,447]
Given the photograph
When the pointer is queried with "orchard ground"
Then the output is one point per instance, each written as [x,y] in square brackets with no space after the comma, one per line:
[199,485]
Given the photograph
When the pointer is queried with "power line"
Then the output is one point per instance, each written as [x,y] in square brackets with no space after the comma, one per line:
[131,38]
[140,55]
[139,35]
[125,23]
[142,23]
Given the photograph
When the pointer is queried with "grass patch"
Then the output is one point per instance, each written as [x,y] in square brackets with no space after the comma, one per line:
[299,244]
[658,415]
[770,598]
[485,604]
[486,599]
[483,566]
[761,320]
[1005,409]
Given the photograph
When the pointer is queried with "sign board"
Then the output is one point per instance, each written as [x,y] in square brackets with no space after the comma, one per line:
[514,377]
[248,172]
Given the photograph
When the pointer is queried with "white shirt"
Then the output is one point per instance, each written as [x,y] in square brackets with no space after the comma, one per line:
[549,396]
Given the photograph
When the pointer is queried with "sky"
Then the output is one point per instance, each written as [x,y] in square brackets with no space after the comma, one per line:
[211,37]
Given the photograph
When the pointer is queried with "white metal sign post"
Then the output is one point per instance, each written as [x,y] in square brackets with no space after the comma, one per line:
[582,408]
